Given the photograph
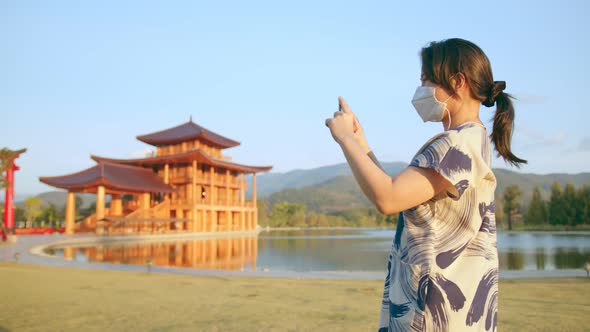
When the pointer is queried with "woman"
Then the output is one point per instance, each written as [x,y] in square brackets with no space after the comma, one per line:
[442,272]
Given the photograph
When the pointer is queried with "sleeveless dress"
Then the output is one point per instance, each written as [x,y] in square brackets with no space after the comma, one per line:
[442,271]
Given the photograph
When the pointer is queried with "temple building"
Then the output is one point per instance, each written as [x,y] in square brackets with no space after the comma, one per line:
[187,185]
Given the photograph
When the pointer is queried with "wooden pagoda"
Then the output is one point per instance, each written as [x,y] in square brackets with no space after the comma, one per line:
[187,185]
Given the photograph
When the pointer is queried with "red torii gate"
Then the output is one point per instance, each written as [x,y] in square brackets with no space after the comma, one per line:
[8,157]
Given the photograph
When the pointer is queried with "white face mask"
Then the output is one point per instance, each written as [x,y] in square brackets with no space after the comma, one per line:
[427,106]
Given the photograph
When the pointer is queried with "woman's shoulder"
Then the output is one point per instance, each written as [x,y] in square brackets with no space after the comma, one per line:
[463,148]
[466,137]
[469,138]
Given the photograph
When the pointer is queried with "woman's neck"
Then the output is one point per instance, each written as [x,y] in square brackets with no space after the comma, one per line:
[469,112]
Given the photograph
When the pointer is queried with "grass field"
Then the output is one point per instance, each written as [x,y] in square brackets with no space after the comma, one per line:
[40,298]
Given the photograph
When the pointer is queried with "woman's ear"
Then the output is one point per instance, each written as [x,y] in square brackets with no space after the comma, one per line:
[458,81]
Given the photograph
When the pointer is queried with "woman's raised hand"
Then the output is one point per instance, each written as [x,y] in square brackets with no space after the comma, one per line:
[346,123]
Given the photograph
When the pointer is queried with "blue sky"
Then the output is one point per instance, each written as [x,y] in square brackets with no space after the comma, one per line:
[81,78]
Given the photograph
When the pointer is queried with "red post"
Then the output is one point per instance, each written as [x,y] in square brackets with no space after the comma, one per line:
[9,197]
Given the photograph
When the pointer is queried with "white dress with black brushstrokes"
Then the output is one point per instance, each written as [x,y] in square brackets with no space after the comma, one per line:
[442,272]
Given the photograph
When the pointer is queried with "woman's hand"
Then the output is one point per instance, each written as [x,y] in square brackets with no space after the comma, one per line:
[346,123]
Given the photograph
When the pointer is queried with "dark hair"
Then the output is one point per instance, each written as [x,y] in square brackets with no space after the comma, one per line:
[444,59]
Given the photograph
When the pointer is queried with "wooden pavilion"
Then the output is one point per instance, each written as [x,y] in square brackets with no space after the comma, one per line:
[188,185]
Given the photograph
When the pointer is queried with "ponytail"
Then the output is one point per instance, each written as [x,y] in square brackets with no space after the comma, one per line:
[503,122]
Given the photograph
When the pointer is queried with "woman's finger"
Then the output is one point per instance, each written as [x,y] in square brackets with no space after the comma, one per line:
[345,109]
[343,105]
[328,122]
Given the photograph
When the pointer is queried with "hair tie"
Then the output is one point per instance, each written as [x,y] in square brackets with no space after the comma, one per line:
[495,90]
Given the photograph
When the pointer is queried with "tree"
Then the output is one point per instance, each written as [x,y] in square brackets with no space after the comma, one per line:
[262,206]
[499,210]
[288,214]
[583,206]
[32,209]
[537,211]
[556,215]
[6,155]
[19,214]
[511,203]
[78,205]
[89,210]
[49,214]
[569,204]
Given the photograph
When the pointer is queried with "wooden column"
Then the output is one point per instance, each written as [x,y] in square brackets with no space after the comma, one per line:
[179,215]
[167,179]
[254,204]
[249,219]
[100,197]
[195,228]
[145,201]
[228,204]
[70,213]
[242,203]
[116,205]
[100,209]
[203,221]
[213,201]
[144,204]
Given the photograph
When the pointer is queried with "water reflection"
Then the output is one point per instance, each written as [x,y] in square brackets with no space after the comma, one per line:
[219,254]
[543,251]
[326,250]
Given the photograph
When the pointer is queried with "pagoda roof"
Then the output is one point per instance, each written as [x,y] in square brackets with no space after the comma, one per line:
[186,157]
[116,178]
[186,132]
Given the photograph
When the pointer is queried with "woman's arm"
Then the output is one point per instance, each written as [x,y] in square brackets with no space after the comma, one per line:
[408,189]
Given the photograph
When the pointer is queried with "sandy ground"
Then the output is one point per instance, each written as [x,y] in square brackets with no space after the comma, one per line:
[47,298]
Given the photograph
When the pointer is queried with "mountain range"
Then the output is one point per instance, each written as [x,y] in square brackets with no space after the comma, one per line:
[333,188]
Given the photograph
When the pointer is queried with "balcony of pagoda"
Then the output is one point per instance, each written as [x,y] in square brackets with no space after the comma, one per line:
[186,178]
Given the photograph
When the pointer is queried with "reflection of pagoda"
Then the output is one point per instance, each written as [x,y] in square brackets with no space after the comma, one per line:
[232,253]
[187,186]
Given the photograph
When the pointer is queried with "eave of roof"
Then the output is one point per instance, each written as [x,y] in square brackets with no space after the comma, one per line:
[114,177]
[186,157]
[186,132]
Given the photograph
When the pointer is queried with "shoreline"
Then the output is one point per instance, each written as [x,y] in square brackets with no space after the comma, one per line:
[31,250]
[541,231]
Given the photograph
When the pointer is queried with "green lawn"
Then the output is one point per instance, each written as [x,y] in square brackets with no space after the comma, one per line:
[36,298]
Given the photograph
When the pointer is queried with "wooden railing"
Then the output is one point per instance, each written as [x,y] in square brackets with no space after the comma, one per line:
[218,202]
[161,210]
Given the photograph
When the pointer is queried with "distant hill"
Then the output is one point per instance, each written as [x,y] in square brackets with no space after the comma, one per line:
[527,181]
[268,183]
[342,192]
[58,198]
[336,194]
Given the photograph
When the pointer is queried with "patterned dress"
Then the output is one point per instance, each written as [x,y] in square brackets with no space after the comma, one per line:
[442,271]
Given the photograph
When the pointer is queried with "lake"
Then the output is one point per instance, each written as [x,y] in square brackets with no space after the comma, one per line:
[324,250]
